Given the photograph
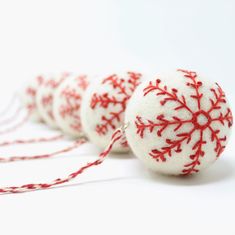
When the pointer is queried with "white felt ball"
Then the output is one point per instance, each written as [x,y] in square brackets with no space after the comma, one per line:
[45,96]
[103,107]
[179,123]
[28,97]
[67,104]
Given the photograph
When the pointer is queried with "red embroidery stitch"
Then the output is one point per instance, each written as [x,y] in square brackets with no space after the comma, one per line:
[161,123]
[31,92]
[82,82]
[54,83]
[40,80]
[105,100]
[73,102]
[47,102]
[118,135]
[47,98]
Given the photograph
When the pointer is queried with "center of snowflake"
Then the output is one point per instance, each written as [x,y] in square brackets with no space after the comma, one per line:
[201,120]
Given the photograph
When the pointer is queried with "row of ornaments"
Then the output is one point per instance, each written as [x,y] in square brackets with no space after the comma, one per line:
[176,123]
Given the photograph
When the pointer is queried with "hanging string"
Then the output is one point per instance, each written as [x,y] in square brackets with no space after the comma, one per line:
[12,118]
[31,141]
[117,136]
[9,105]
[17,125]
[43,156]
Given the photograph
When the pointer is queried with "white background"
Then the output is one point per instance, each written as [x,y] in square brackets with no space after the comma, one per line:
[121,196]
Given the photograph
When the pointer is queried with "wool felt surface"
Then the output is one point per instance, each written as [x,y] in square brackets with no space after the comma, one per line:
[28,97]
[45,97]
[103,107]
[179,122]
[67,104]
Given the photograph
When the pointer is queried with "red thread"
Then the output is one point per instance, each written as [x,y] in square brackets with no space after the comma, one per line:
[31,141]
[118,135]
[43,156]
[47,98]
[106,100]
[73,102]
[9,105]
[12,118]
[31,92]
[18,125]
[161,123]
[82,82]
[54,83]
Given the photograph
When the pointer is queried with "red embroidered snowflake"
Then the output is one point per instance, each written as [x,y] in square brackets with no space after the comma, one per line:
[124,89]
[72,102]
[47,95]
[202,120]
[31,92]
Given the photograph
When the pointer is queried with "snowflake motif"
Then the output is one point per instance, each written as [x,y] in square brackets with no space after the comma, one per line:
[31,92]
[73,100]
[124,90]
[47,97]
[161,123]
[47,101]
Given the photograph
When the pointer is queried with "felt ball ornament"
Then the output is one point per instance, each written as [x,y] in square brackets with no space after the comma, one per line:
[179,122]
[67,104]
[103,107]
[28,97]
[45,96]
